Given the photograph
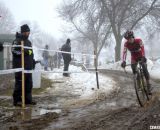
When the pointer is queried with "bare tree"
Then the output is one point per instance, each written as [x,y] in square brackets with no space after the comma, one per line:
[7,24]
[39,37]
[117,15]
[127,14]
[88,18]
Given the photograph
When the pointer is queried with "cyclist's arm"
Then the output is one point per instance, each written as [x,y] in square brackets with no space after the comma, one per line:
[124,53]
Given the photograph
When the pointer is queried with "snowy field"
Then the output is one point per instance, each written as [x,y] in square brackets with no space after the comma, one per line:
[82,83]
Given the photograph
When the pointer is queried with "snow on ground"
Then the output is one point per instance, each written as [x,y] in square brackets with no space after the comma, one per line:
[83,83]
[155,69]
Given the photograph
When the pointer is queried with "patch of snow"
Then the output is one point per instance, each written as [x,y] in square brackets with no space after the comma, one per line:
[83,84]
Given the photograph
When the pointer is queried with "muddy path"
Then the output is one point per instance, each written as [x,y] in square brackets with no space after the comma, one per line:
[118,111]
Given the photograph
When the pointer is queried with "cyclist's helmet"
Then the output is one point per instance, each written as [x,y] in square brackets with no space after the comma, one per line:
[128,34]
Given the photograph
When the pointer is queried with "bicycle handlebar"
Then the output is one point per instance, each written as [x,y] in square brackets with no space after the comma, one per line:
[125,67]
[139,61]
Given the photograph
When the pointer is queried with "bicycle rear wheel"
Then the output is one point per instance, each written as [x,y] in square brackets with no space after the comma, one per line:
[141,93]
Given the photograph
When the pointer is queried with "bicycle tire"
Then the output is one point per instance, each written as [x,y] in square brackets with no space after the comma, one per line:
[145,86]
[140,91]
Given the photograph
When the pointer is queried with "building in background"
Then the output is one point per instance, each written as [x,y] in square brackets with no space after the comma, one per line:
[6,55]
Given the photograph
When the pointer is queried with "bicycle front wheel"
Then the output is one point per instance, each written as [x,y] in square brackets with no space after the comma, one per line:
[140,91]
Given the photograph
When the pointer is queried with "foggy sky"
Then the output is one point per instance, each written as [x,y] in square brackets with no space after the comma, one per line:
[41,11]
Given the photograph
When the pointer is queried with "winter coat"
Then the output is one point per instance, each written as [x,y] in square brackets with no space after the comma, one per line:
[67,48]
[29,61]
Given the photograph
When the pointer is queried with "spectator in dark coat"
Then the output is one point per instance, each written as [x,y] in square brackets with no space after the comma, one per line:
[66,56]
[29,64]
[1,46]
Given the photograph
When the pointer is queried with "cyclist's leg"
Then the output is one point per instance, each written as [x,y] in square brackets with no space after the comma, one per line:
[147,76]
[134,66]
[134,70]
[145,71]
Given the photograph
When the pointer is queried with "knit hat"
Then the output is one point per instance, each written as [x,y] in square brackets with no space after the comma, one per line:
[68,41]
[25,28]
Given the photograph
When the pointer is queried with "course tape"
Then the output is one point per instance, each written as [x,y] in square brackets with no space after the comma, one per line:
[83,54]
[11,71]
[34,71]
[43,71]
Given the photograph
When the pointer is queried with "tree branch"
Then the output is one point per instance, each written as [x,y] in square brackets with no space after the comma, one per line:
[146,13]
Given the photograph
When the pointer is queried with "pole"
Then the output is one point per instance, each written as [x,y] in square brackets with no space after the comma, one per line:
[95,61]
[23,85]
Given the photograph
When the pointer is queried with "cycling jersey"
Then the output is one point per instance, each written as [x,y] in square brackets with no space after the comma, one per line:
[136,48]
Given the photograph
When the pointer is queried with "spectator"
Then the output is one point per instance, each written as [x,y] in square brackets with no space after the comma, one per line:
[66,56]
[29,64]
[45,56]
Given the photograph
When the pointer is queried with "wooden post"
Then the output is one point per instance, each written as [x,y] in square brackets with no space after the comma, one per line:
[23,78]
[95,60]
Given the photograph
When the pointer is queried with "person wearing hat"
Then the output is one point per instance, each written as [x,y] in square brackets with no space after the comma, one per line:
[66,56]
[29,64]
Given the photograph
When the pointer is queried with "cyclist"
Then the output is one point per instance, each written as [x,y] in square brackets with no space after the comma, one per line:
[136,47]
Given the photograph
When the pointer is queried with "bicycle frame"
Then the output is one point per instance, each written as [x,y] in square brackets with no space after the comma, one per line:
[140,75]
[140,84]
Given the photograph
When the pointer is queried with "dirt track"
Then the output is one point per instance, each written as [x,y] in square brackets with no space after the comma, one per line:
[118,111]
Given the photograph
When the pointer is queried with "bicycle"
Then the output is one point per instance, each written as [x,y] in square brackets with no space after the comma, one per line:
[140,85]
